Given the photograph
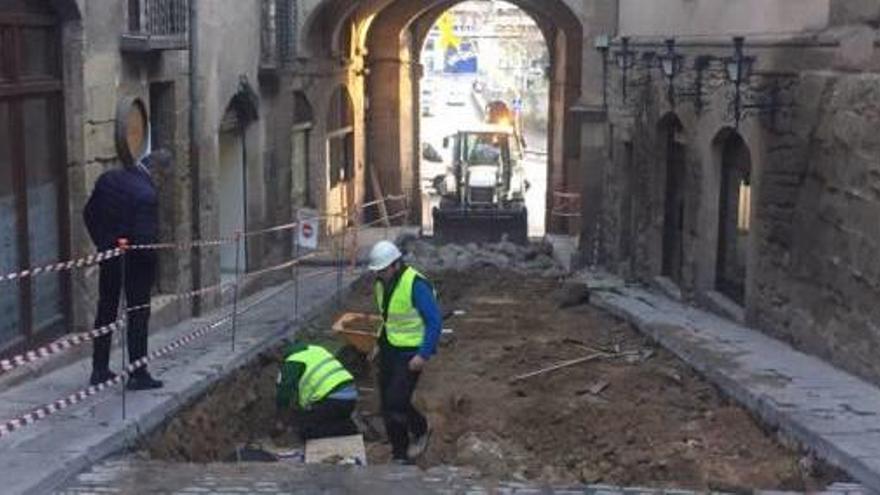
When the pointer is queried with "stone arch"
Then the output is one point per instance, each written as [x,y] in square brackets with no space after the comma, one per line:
[734,214]
[323,29]
[393,44]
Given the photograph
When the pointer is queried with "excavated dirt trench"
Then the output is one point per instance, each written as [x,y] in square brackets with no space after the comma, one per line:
[634,416]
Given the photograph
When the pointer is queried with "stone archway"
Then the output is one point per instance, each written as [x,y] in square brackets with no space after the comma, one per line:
[393,44]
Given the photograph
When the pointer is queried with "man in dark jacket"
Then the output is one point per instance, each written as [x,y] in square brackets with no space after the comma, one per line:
[124,205]
[322,392]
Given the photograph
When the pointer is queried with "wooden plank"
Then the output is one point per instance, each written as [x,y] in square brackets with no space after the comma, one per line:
[337,450]
[377,193]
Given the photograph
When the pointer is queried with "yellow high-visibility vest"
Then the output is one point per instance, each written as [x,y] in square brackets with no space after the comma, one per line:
[404,326]
[322,373]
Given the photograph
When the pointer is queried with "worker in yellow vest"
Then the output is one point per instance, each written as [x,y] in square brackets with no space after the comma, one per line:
[411,329]
[321,389]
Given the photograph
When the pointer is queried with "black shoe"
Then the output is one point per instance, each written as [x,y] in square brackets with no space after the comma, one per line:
[402,461]
[143,382]
[419,445]
[99,377]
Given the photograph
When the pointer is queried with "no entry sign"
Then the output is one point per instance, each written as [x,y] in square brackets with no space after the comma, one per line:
[307,230]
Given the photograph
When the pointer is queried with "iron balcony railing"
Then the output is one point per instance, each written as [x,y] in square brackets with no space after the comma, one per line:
[278,34]
[156,25]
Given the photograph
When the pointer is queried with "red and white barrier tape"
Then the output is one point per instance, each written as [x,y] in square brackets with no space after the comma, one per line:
[59,345]
[64,265]
[183,246]
[42,412]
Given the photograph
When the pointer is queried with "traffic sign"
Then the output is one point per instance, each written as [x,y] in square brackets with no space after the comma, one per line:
[307,229]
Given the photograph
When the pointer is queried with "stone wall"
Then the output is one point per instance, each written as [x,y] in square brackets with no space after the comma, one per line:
[813,278]
[825,282]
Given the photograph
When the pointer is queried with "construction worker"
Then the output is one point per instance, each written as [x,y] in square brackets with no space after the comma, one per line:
[412,327]
[322,390]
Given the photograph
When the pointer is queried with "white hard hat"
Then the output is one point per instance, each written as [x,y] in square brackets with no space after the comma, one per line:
[383,254]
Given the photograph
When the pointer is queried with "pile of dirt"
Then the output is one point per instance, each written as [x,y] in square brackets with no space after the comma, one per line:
[534,259]
[627,413]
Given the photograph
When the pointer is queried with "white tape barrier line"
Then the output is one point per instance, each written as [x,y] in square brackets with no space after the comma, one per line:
[69,342]
[59,345]
[63,265]
[81,395]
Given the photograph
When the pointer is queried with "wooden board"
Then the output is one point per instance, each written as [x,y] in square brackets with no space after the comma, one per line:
[337,450]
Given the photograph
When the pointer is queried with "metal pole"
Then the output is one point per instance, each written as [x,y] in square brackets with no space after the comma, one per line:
[123,339]
[296,275]
[238,238]
[339,259]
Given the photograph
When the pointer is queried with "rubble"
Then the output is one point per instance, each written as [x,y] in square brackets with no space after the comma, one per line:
[533,259]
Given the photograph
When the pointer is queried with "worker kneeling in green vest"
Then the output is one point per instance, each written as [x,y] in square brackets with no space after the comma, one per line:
[321,389]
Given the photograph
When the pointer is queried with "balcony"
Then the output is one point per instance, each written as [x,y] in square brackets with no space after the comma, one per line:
[278,34]
[155,25]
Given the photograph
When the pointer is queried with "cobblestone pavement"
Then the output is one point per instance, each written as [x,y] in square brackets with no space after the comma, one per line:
[220,479]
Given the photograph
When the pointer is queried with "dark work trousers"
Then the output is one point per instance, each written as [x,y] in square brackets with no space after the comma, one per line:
[327,418]
[397,384]
[140,270]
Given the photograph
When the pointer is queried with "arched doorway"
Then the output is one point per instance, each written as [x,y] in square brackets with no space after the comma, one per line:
[301,132]
[232,175]
[734,216]
[340,151]
[672,163]
[33,197]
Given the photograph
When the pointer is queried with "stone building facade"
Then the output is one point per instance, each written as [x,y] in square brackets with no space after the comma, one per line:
[771,219]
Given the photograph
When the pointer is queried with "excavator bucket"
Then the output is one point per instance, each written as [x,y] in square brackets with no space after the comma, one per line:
[459,226]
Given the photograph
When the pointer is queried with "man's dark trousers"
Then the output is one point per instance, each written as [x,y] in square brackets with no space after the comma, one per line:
[397,384]
[140,270]
[328,418]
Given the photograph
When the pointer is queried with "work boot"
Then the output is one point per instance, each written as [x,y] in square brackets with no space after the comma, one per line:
[419,445]
[143,382]
[102,376]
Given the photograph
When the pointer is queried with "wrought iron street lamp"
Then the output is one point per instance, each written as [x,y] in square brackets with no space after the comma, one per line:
[626,59]
[670,64]
[738,69]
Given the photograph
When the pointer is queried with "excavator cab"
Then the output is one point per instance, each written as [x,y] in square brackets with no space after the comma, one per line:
[487,201]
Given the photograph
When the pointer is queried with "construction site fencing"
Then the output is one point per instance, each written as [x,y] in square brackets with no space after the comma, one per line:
[337,243]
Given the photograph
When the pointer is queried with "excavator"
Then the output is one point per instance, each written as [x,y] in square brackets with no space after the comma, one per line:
[482,196]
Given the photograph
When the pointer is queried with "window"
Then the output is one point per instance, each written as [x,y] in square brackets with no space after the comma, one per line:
[32,175]
[340,137]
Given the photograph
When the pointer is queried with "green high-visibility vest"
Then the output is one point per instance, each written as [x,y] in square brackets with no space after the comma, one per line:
[321,375]
[404,326]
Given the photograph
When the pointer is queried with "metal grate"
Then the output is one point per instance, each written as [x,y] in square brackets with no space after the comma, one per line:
[280,20]
[158,17]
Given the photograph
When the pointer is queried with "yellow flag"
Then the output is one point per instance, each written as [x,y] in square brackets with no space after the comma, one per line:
[448,37]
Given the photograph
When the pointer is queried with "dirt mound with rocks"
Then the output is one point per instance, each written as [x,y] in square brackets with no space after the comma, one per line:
[532,259]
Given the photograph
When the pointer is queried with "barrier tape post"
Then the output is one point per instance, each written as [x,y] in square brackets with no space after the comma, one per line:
[339,247]
[296,277]
[123,339]
[235,288]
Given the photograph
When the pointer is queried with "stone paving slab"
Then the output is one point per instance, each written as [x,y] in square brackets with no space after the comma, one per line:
[129,476]
[39,457]
[829,411]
